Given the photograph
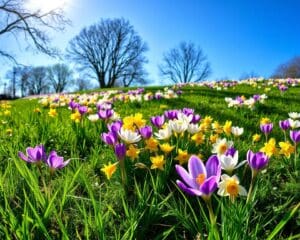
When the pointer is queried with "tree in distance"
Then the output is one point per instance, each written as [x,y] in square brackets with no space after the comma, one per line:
[290,69]
[185,63]
[60,77]
[16,20]
[111,51]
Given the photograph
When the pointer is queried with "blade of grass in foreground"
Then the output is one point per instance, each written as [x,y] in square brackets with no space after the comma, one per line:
[283,222]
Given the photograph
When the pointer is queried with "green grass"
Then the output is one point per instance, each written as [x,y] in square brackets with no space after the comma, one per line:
[78,202]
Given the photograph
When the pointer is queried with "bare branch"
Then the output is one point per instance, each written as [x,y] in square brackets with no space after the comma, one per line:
[184,64]
[112,50]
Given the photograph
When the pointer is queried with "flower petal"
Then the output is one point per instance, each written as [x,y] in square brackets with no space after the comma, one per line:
[23,157]
[185,176]
[196,166]
[213,167]
[190,191]
[209,185]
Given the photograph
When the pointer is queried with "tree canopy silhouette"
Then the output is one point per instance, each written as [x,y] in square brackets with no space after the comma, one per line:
[112,52]
[185,63]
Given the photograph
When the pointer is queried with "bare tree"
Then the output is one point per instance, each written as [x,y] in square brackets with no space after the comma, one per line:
[83,84]
[290,69]
[18,77]
[15,19]
[60,76]
[37,81]
[185,63]
[109,49]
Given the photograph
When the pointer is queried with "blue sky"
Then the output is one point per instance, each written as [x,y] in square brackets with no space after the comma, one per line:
[237,36]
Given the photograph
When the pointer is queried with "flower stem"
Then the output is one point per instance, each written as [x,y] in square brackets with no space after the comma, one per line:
[212,218]
[254,173]
[295,157]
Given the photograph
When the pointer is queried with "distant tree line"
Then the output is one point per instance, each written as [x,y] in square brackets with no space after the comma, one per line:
[109,51]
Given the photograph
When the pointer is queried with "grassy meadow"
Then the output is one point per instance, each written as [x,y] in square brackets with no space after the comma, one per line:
[106,193]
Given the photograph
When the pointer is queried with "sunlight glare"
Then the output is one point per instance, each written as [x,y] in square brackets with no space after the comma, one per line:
[45,5]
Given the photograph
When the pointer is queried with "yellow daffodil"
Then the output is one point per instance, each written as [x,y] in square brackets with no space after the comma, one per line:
[269,147]
[264,120]
[182,156]
[151,144]
[76,116]
[132,152]
[256,137]
[158,162]
[207,120]
[217,127]
[134,121]
[166,148]
[198,138]
[286,149]
[52,112]
[213,138]
[109,169]
[227,127]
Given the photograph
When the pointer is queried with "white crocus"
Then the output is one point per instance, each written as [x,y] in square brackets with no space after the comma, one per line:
[129,136]
[178,126]
[294,115]
[93,117]
[193,128]
[229,163]
[164,134]
[230,186]
[237,131]
[294,123]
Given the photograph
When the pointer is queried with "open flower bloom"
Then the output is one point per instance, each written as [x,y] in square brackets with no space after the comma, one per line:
[229,162]
[294,115]
[34,155]
[230,186]
[109,169]
[221,146]
[56,162]
[164,134]
[200,180]
[129,136]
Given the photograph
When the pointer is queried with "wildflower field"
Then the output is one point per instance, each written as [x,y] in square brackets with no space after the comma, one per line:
[195,161]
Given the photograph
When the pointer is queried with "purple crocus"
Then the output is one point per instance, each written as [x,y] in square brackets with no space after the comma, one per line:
[284,125]
[146,132]
[256,97]
[257,161]
[295,136]
[196,118]
[73,105]
[158,121]
[105,114]
[82,110]
[120,150]
[230,151]
[187,111]
[34,155]
[266,128]
[115,126]
[56,162]
[109,138]
[171,114]
[200,180]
